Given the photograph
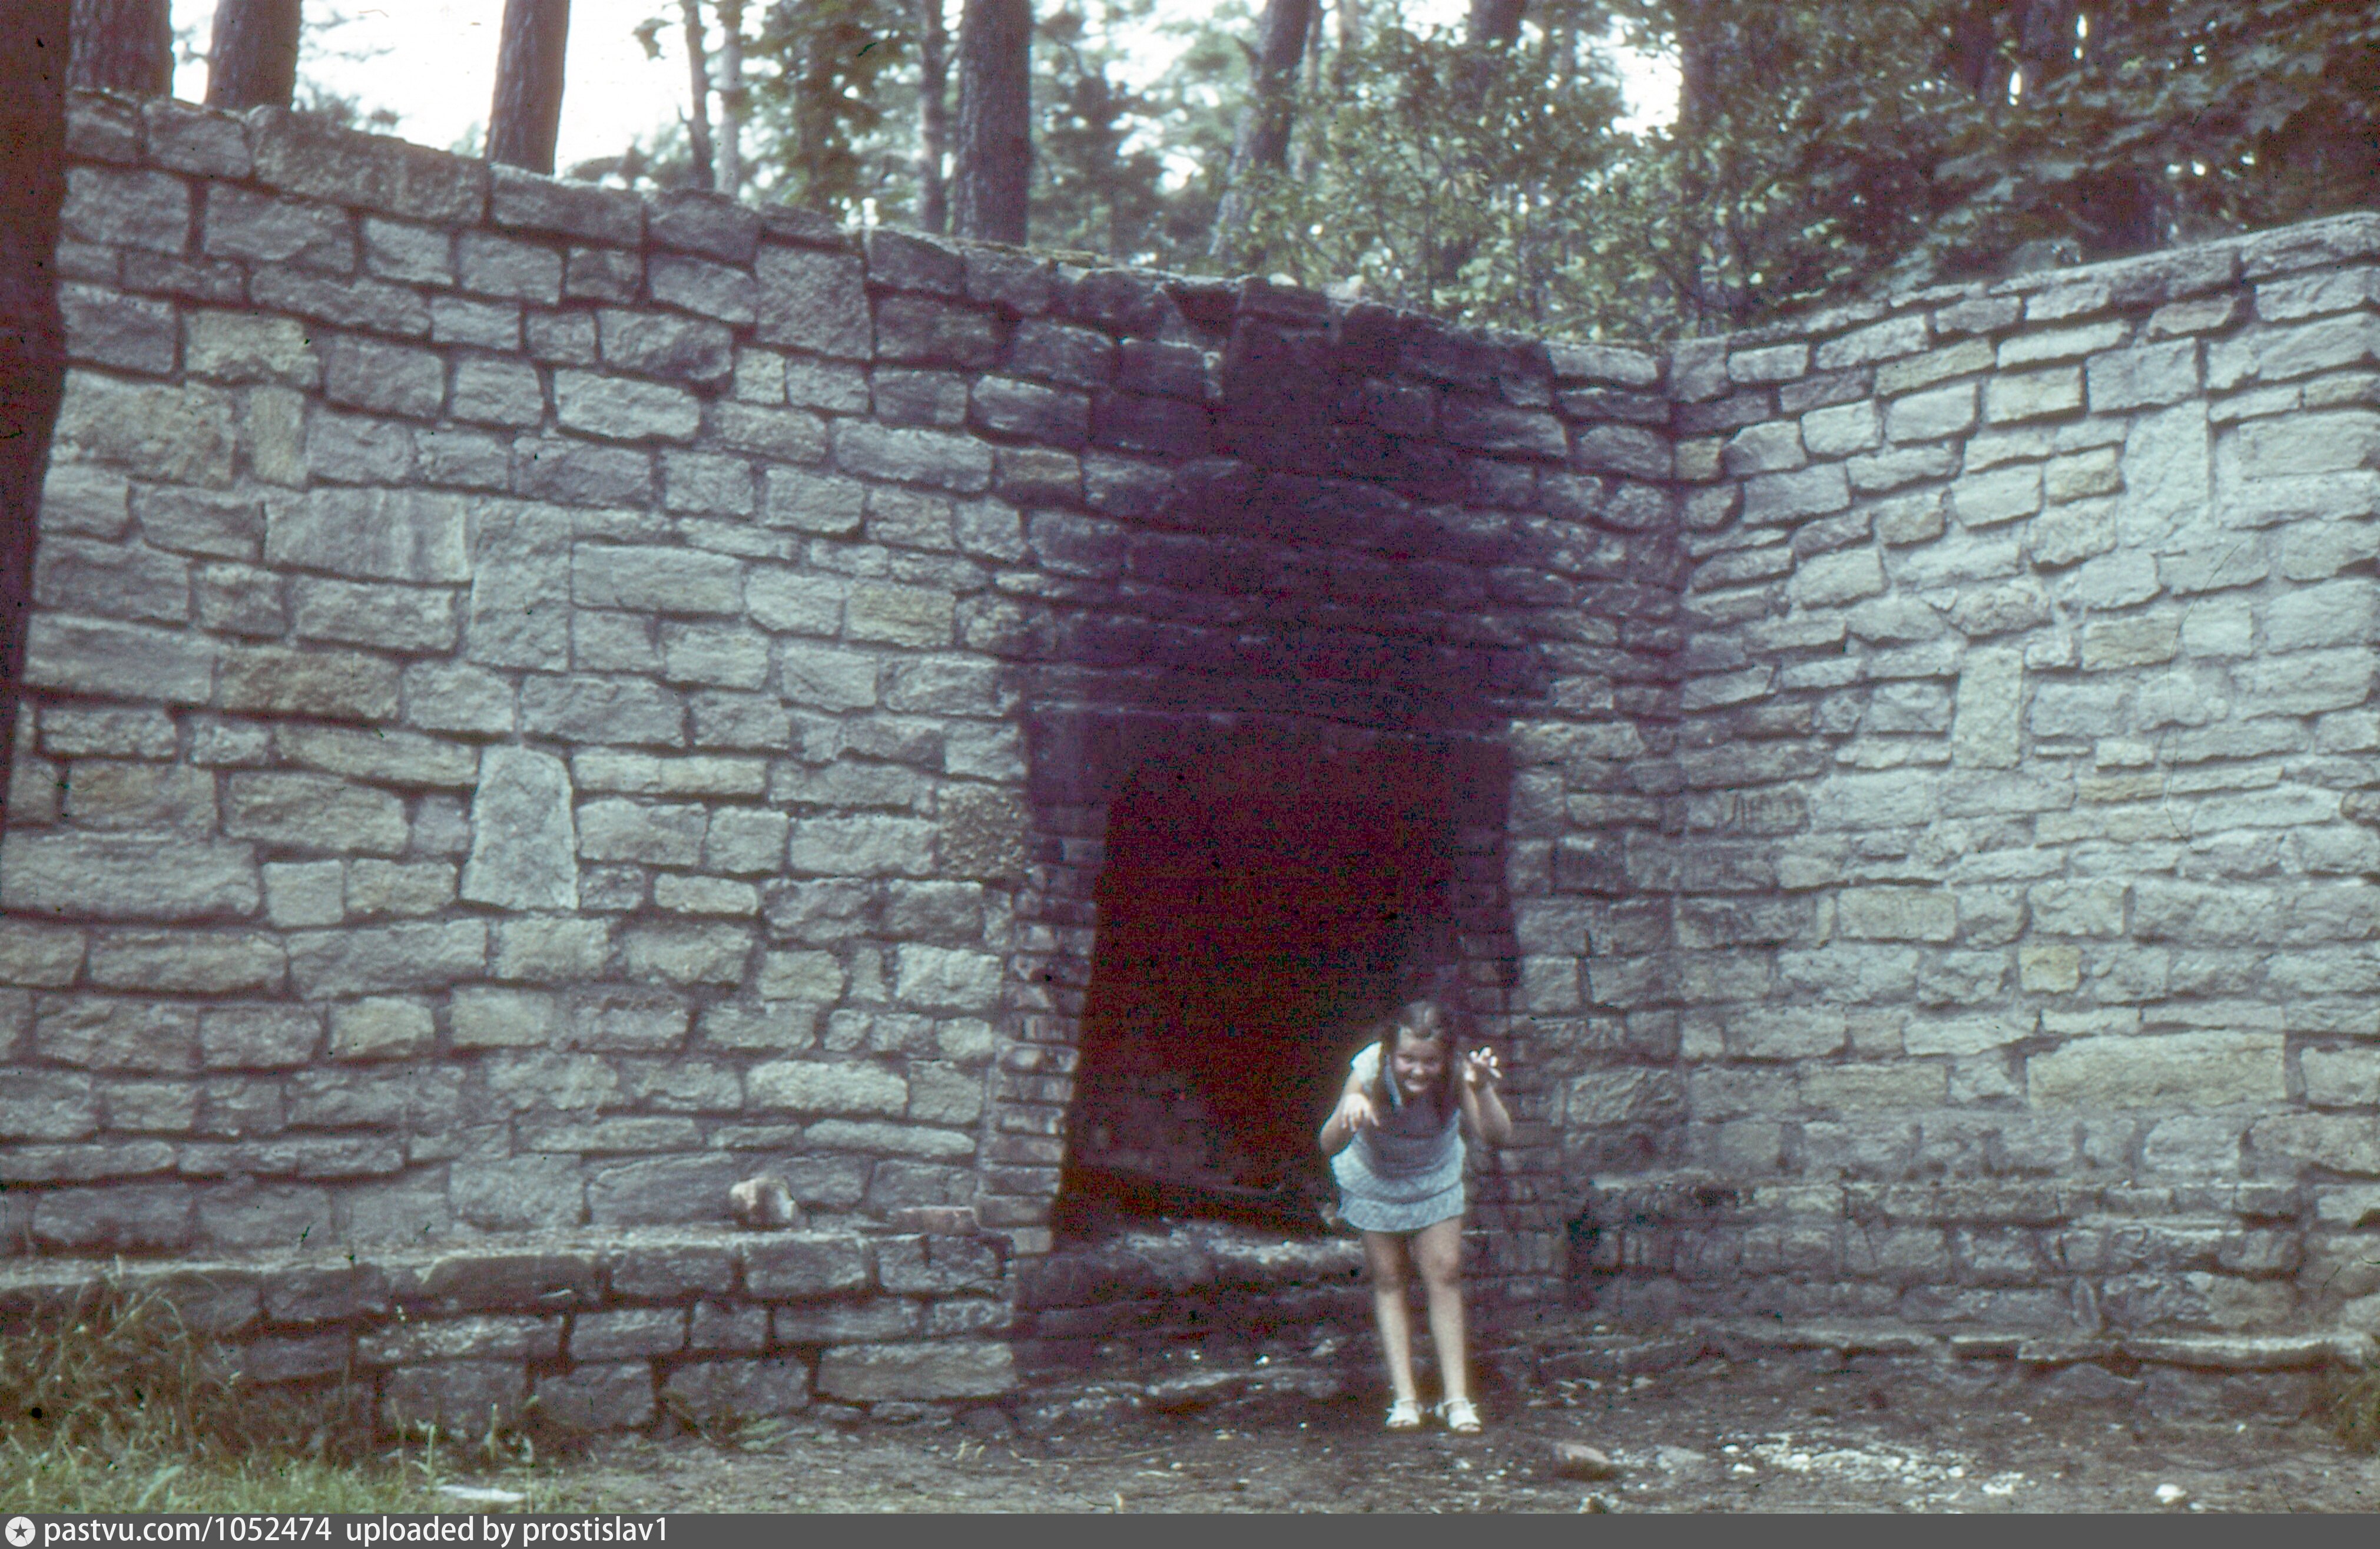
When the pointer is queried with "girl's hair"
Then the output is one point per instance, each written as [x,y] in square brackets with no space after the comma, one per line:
[1428,1020]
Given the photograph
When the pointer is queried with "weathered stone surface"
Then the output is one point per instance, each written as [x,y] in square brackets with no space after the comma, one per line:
[386,958]
[2179,1070]
[812,300]
[598,1396]
[181,435]
[129,877]
[524,845]
[728,1390]
[937,1370]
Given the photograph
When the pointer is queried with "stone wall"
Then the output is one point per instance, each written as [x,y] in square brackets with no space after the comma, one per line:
[545,702]
[2020,847]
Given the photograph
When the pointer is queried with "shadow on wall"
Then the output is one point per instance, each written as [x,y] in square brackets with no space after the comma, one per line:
[1267,691]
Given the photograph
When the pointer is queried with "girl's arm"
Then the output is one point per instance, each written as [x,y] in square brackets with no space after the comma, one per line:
[1354,1112]
[1482,1105]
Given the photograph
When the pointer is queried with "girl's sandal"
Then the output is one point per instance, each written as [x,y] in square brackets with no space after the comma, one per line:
[1405,1415]
[1460,1416]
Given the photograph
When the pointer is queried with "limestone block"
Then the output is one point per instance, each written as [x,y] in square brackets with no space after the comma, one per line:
[670,1190]
[1853,1089]
[1464,420]
[2176,1070]
[2131,642]
[125,877]
[1966,357]
[686,954]
[603,710]
[621,408]
[1874,472]
[1879,341]
[716,1391]
[113,208]
[197,962]
[655,579]
[2003,494]
[88,502]
[50,1106]
[1765,449]
[249,347]
[713,289]
[524,845]
[2274,354]
[2142,376]
[947,979]
[1773,498]
[2334,614]
[133,1217]
[96,1032]
[2017,397]
[616,829]
[703,482]
[1997,610]
[809,503]
[2049,970]
[381,1028]
[812,300]
[1931,416]
[486,324]
[1830,580]
[597,1395]
[720,655]
[1896,914]
[816,1087]
[2307,682]
[393,618]
[378,958]
[863,846]
[2299,443]
[1625,449]
[2315,551]
[644,774]
[912,455]
[316,811]
[244,223]
[1842,430]
[177,435]
[104,578]
[2037,346]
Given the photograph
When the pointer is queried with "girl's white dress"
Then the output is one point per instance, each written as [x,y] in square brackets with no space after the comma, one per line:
[1406,1172]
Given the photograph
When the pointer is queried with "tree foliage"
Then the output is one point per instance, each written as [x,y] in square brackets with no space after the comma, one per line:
[1822,149]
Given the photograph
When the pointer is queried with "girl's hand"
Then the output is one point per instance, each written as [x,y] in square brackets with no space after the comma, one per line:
[1356,1113]
[1480,1071]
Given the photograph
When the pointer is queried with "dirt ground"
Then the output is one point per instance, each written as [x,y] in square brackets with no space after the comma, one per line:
[1772,1434]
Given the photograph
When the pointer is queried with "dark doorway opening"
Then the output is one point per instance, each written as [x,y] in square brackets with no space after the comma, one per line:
[1260,905]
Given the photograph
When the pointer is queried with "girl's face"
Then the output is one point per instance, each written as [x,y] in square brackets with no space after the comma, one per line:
[1418,1064]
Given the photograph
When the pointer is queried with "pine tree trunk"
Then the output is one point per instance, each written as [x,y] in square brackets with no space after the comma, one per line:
[731,96]
[124,45]
[1261,142]
[253,59]
[526,113]
[995,150]
[35,46]
[697,122]
[933,116]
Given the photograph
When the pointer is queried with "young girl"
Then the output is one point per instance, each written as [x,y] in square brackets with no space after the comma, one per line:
[1396,1148]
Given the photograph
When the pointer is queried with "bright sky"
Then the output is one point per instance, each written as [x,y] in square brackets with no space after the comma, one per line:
[433,62]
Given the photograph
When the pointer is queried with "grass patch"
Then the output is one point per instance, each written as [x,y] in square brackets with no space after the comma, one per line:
[117,1406]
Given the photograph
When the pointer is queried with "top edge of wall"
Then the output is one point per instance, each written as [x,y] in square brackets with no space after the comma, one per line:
[300,154]
[297,153]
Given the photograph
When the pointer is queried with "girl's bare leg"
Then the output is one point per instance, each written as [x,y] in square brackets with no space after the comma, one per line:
[1437,1254]
[1385,1253]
